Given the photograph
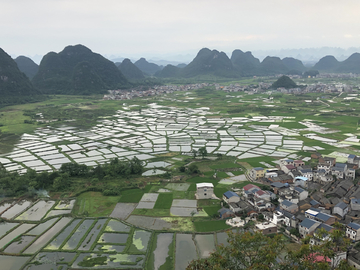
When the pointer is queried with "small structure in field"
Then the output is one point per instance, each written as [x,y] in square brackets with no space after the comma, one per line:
[204,191]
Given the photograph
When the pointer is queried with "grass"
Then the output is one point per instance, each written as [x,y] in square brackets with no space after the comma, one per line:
[210,225]
[199,179]
[225,165]
[190,195]
[131,195]
[255,162]
[164,201]
[212,210]
[152,212]
[94,204]
[219,190]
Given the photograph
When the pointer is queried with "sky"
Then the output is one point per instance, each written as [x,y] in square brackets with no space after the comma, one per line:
[166,28]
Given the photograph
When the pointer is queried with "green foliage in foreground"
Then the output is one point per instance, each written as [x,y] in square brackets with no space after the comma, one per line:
[259,252]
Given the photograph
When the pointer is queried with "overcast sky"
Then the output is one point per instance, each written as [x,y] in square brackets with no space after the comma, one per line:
[134,28]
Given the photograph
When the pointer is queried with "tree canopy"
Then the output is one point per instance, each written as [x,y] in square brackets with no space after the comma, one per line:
[255,251]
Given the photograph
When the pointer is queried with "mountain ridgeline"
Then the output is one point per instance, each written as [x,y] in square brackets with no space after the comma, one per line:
[77,70]
[15,86]
[27,66]
[244,64]
[130,71]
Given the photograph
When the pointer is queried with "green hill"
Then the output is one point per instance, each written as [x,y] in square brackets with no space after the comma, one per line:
[130,71]
[352,64]
[168,71]
[294,64]
[327,63]
[284,81]
[146,67]
[272,65]
[245,63]
[15,87]
[77,70]
[27,66]
[209,62]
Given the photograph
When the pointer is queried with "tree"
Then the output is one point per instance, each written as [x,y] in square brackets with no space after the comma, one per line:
[245,251]
[193,168]
[256,251]
[203,152]
[323,255]
[219,156]
[194,152]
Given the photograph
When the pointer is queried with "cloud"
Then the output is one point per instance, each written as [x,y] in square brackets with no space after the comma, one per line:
[137,26]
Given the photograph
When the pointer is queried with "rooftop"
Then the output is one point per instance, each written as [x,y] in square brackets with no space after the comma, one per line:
[229,194]
[202,185]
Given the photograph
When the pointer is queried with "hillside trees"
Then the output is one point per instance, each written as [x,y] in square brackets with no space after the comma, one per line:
[256,251]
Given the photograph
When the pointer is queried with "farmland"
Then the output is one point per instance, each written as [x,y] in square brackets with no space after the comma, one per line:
[156,222]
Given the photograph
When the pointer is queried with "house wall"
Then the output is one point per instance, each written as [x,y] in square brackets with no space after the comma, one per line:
[205,193]
[352,234]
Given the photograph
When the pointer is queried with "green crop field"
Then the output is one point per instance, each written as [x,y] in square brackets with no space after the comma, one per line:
[94,204]
[131,195]
[210,225]
[164,201]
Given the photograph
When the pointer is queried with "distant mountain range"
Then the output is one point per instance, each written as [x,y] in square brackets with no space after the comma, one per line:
[78,70]
[242,64]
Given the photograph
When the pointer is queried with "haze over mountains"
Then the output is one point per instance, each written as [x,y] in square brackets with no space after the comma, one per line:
[78,70]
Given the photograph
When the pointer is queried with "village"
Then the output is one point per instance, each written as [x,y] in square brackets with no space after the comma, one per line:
[252,88]
[297,200]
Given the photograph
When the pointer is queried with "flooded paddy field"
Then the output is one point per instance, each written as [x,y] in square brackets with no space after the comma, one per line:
[113,238]
[151,131]
[13,262]
[61,237]
[185,251]
[37,211]
[101,243]
[77,236]
[161,253]
[92,235]
[117,226]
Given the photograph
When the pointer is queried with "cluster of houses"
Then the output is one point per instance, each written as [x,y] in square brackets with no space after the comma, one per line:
[152,91]
[299,198]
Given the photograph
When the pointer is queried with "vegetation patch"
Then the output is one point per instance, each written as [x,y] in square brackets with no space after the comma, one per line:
[91,262]
[131,195]
[164,201]
[210,225]
[94,204]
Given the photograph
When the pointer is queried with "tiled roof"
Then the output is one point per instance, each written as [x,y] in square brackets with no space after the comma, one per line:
[250,186]
[287,203]
[229,194]
[307,223]
[341,205]
[354,226]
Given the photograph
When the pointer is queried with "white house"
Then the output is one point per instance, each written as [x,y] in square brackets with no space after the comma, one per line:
[341,209]
[353,231]
[204,191]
